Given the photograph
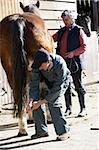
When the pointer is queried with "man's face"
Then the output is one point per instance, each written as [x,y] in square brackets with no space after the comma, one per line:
[44,66]
[67,21]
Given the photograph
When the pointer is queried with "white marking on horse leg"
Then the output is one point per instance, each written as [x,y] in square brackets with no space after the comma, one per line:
[23,125]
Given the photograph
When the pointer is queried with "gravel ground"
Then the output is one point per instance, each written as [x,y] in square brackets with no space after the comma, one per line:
[84,133]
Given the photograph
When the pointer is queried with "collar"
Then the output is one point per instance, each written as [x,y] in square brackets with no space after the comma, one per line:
[71,26]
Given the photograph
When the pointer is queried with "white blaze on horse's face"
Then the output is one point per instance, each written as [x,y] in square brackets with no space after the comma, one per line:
[85,22]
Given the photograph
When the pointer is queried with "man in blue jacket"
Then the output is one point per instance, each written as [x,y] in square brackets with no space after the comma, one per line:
[54,71]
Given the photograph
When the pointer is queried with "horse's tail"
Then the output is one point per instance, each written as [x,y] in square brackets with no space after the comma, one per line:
[19,59]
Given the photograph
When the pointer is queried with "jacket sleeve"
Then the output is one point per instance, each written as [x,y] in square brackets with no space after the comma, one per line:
[55,36]
[82,48]
[60,85]
[34,85]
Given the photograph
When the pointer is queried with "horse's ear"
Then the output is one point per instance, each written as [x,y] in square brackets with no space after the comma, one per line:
[22,6]
[38,4]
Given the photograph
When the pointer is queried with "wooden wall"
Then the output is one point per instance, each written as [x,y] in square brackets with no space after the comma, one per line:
[50,10]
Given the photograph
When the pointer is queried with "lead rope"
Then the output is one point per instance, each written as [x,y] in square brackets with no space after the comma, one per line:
[72,60]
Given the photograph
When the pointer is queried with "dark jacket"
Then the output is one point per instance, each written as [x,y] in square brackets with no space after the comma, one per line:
[58,77]
[73,43]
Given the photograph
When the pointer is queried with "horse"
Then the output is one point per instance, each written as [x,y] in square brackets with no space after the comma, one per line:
[84,21]
[43,89]
[31,8]
[84,16]
[21,35]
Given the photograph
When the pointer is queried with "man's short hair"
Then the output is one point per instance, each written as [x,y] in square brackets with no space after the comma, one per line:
[40,57]
[69,13]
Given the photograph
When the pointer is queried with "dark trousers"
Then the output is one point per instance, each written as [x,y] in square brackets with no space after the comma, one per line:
[79,89]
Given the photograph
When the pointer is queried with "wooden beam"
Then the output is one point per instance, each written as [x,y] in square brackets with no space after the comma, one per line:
[94,15]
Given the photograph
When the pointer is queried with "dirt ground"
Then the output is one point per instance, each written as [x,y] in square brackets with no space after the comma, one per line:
[84,133]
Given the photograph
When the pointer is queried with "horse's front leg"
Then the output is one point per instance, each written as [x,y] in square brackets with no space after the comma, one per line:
[23,121]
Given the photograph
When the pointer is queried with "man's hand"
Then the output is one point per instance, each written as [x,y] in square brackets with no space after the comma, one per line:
[69,55]
[37,104]
[29,105]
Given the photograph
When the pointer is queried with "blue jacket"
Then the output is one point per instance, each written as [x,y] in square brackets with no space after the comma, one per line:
[58,77]
[73,38]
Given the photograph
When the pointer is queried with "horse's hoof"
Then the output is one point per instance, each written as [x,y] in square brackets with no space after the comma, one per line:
[22,134]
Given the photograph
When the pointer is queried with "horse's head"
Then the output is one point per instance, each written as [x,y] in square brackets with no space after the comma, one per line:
[84,21]
[33,8]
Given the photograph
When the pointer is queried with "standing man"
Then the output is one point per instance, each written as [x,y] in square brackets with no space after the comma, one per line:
[71,46]
[54,71]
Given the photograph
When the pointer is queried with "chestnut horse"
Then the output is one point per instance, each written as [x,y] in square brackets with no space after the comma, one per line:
[33,8]
[21,35]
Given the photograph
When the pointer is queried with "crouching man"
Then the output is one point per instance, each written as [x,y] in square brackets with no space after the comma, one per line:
[54,71]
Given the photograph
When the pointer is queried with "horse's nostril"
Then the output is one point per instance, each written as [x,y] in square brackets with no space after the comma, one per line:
[88,34]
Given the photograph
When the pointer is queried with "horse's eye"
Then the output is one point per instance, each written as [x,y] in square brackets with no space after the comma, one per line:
[26,9]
